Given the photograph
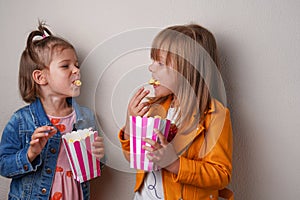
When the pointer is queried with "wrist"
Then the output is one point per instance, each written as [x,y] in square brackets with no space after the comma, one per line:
[30,155]
[174,167]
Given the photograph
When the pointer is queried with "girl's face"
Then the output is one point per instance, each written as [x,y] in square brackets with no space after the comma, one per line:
[62,73]
[165,75]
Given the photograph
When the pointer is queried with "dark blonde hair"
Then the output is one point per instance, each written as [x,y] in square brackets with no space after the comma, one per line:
[192,51]
[40,46]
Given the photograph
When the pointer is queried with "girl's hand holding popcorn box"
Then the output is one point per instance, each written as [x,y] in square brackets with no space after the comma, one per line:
[140,128]
[84,164]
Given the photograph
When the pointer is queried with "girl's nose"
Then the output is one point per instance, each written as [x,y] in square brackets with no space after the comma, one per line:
[75,70]
[150,68]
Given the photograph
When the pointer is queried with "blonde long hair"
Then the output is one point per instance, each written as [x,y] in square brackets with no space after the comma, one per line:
[192,51]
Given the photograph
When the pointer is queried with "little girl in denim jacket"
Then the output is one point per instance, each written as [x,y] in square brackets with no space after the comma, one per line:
[31,151]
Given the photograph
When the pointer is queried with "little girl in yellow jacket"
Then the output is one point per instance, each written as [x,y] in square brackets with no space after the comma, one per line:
[197,162]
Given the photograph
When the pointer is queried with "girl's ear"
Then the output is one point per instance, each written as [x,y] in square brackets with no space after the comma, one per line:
[39,77]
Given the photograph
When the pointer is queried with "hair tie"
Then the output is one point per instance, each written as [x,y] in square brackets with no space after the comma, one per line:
[44,36]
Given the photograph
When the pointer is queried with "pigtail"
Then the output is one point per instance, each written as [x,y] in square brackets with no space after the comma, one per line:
[44,30]
[44,36]
[30,45]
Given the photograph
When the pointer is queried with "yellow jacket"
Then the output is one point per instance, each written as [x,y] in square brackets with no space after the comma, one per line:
[205,167]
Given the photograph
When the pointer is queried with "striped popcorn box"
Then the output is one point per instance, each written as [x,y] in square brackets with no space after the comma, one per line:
[143,127]
[78,145]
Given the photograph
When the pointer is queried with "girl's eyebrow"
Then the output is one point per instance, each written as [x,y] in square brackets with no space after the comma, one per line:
[162,58]
[67,60]
[63,61]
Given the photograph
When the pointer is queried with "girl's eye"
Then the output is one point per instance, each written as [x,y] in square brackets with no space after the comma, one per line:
[77,66]
[161,63]
[65,66]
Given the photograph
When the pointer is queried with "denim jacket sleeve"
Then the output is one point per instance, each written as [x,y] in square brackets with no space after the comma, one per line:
[13,150]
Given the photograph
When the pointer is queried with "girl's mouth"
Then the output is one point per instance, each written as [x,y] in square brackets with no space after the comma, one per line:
[77,82]
[154,82]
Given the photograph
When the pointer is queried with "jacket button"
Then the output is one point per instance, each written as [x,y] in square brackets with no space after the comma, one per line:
[211,196]
[48,171]
[44,190]
[53,150]
[84,185]
[25,167]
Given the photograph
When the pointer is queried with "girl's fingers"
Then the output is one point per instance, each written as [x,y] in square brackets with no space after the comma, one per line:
[39,135]
[149,156]
[98,142]
[99,153]
[147,148]
[141,106]
[149,141]
[144,111]
[99,139]
[161,137]
[137,100]
[44,129]
[135,96]
[32,142]
[98,145]
[152,143]
[43,132]
[52,132]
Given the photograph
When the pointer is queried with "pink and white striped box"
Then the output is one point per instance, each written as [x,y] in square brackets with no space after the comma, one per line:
[78,145]
[143,127]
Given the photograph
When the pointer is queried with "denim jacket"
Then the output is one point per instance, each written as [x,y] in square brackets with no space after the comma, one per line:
[33,180]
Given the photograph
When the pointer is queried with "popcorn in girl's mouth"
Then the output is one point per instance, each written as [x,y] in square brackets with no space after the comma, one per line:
[153,81]
[78,146]
[77,83]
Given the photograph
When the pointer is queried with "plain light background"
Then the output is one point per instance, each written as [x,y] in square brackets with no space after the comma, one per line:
[258,44]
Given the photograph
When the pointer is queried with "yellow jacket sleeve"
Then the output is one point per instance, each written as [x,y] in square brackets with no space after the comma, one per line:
[213,171]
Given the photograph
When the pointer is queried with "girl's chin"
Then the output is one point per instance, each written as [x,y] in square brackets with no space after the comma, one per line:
[75,94]
[159,94]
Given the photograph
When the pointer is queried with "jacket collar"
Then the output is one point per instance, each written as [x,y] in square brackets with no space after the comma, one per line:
[40,117]
[182,141]
[76,107]
[166,105]
[38,114]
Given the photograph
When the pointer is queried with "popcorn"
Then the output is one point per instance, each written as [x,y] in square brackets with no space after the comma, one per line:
[77,83]
[143,127]
[152,81]
[78,145]
[172,132]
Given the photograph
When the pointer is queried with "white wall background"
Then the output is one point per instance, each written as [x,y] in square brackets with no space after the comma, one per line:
[259,43]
